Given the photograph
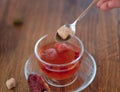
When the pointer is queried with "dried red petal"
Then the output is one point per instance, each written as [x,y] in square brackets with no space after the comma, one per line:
[62,47]
[49,54]
[37,84]
[76,54]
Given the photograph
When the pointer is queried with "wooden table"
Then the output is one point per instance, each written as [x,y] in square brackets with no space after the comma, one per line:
[99,31]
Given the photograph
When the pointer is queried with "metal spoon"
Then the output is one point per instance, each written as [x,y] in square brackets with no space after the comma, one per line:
[66,31]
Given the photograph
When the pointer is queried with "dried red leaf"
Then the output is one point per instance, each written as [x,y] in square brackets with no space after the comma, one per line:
[37,84]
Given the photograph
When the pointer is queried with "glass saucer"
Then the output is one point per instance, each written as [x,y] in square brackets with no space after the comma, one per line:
[86,73]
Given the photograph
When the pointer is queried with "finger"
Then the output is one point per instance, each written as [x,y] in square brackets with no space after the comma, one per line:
[100,2]
[114,4]
[105,6]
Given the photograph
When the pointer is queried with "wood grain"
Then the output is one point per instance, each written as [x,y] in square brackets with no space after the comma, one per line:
[99,31]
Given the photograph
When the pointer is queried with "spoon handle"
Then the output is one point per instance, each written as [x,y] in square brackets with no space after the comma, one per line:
[86,10]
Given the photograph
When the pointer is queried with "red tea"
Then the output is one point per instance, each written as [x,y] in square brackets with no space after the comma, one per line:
[59,53]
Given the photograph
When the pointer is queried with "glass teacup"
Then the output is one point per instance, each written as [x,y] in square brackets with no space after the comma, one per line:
[59,62]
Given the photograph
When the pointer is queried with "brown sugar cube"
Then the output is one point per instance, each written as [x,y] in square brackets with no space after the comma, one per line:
[11,83]
[64,32]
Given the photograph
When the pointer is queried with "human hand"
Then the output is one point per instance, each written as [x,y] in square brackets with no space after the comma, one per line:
[108,4]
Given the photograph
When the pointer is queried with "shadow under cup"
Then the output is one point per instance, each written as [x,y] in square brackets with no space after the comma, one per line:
[59,75]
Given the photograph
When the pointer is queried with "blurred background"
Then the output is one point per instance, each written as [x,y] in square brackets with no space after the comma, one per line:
[99,31]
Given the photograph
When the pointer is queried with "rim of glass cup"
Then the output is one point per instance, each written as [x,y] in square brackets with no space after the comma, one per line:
[74,61]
